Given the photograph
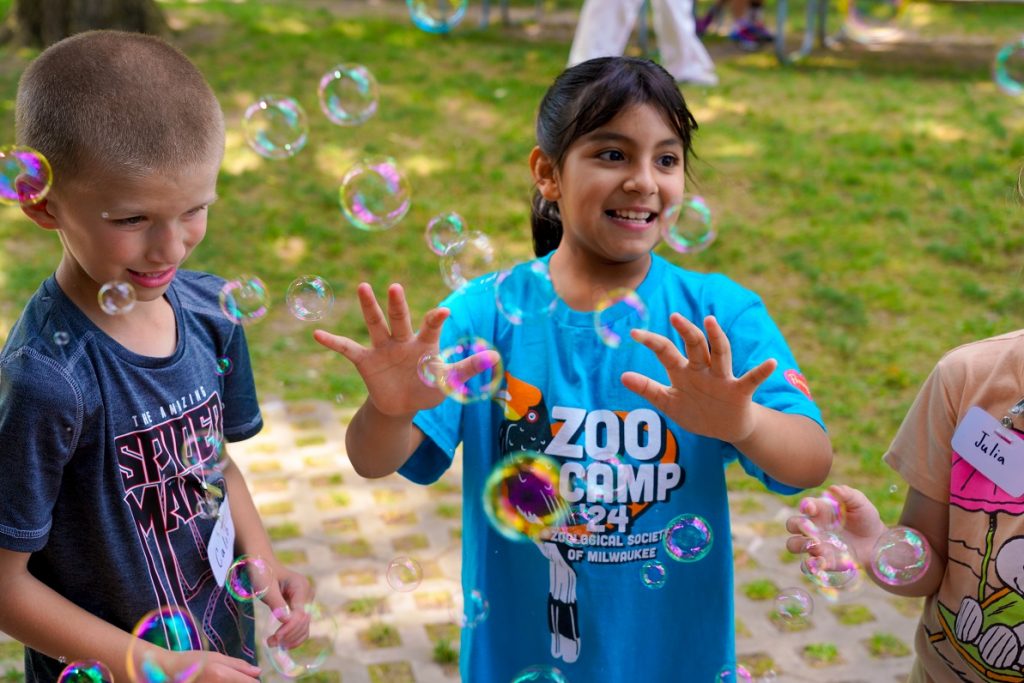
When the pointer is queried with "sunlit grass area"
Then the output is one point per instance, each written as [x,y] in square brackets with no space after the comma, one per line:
[870,198]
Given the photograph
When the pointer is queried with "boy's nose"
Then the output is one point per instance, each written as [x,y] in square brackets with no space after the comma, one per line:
[167,246]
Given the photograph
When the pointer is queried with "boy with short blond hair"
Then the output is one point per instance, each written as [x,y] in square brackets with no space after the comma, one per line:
[116,498]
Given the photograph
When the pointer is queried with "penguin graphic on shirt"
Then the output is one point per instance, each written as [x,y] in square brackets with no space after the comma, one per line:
[527,428]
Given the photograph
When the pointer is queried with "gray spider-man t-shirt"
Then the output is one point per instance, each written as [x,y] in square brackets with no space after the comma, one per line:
[104,457]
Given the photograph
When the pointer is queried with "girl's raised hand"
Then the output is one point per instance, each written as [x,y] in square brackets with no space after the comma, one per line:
[389,366]
[848,509]
[704,397]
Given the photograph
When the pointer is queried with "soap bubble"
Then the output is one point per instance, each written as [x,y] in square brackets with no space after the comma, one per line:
[306,657]
[203,452]
[525,293]
[652,573]
[521,496]
[443,230]
[482,386]
[61,338]
[733,674]
[244,300]
[1008,69]
[86,671]
[117,297]
[617,312]
[833,567]
[475,610]
[900,556]
[348,94]
[540,674]
[688,538]
[437,16]
[467,259]
[224,366]
[687,226]
[27,176]
[404,574]
[170,628]
[249,578]
[374,194]
[793,603]
[276,127]
[310,297]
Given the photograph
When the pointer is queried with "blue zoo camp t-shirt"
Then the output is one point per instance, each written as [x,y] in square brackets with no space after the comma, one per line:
[93,482]
[577,600]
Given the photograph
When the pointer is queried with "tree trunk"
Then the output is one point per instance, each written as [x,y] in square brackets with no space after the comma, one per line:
[40,23]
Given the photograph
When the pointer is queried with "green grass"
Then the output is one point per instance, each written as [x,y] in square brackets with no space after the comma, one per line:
[869,198]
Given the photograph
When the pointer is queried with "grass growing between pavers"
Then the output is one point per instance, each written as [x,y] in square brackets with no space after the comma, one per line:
[821,654]
[885,645]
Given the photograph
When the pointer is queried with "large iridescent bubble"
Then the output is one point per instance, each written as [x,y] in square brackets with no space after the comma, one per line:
[303,658]
[170,628]
[480,387]
[348,94]
[521,496]
[276,127]
[688,538]
[687,227]
[374,194]
[437,16]
[467,258]
[86,671]
[26,176]
[244,300]
[901,556]
[525,293]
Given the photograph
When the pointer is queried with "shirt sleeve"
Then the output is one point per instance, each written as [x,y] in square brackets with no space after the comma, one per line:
[41,417]
[242,417]
[921,451]
[754,338]
[441,425]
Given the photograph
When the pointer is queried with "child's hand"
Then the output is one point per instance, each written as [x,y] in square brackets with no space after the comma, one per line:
[286,597]
[213,667]
[704,397]
[389,367]
[859,523]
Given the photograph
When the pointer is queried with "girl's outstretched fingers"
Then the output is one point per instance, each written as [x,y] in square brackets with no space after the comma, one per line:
[352,350]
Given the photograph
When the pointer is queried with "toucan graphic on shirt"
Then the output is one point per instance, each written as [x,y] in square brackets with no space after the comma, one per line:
[613,466]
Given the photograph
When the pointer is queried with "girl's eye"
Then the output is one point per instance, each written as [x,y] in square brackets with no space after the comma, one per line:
[611,155]
[668,160]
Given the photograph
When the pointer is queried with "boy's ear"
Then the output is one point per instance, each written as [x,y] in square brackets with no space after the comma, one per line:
[41,214]
[543,171]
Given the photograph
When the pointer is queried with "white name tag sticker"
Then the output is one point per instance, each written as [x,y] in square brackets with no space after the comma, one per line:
[222,544]
[993,450]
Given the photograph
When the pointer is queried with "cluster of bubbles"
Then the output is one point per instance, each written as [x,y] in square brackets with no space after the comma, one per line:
[404,574]
[170,628]
[437,16]
[249,578]
[246,299]
[116,297]
[86,671]
[294,660]
[27,176]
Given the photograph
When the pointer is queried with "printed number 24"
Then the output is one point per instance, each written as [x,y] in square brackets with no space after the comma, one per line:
[596,515]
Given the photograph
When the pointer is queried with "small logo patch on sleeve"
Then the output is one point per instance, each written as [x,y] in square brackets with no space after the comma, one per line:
[798,381]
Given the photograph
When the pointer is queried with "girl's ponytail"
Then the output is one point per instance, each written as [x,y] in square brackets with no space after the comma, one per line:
[546,225]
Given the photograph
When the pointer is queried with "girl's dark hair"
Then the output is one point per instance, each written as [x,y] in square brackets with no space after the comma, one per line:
[587,96]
